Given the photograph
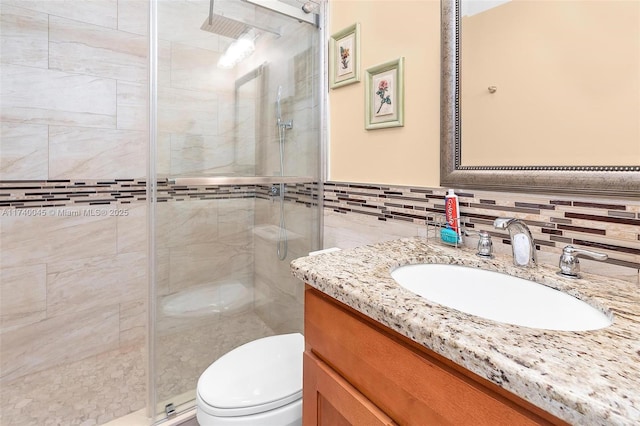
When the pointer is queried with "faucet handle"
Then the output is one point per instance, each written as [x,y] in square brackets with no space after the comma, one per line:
[502,222]
[485,245]
[569,263]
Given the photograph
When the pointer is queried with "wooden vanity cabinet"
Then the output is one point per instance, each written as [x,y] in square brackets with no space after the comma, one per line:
[359,372]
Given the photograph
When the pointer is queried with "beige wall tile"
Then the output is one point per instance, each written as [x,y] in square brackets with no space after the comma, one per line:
[236,217]
[240,122]
[299,219]
[163,154]
[187,111]
[299,225]
[164,63]
[113,54]
[132,228]
[347,231]
[267,268]
[216,262]
[162,271]
[280,312]
[133,106]
[36,240]
[58,340]
[41,96]
[133,322]
[23,296]
[196,69]
[273,271]
[201,154]
[77,152]
[98,12]
[24,37]
[95,282]
[23,151]
[185,223]
[133,16]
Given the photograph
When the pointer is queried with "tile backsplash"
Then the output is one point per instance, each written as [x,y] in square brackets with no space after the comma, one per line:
[611,225]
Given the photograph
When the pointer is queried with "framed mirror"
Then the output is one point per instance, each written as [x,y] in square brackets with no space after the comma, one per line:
[522,111]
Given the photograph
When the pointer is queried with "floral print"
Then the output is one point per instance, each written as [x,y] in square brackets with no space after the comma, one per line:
[345,55]
[383,87]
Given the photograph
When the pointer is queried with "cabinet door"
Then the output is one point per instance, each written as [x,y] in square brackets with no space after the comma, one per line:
[404,380]
[329,400]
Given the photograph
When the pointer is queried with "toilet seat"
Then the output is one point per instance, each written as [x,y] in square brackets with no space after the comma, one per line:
[258,376]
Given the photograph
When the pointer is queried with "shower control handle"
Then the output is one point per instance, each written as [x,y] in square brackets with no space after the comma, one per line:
[287,125]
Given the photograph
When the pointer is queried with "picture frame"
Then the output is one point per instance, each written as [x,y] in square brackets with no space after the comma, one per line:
[384,95]
[344,57]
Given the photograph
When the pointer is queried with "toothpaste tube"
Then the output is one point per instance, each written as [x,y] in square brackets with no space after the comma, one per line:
[452,212]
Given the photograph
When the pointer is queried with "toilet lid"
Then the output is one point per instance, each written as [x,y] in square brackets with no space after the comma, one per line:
[258,376]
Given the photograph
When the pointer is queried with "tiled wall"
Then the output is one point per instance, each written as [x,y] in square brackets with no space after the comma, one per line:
[195,129]
[67,96]
[361,214]
[73,108]
[73,207]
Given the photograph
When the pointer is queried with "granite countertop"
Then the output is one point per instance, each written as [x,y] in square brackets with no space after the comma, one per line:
[587,377]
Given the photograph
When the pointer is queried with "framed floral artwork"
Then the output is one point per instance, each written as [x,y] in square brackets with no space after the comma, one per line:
[384,95]
[344,57]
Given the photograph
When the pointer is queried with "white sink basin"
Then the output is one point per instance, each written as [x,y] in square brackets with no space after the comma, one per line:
[500,297]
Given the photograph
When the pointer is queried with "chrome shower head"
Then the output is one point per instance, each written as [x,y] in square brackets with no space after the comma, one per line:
[233,19]
[224,26]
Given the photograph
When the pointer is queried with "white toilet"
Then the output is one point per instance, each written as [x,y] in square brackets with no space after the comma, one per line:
[258,383]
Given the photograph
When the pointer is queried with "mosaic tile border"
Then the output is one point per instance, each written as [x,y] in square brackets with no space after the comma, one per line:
[74,193]
[612,226]
[299,193]
[172,193]
[22,194]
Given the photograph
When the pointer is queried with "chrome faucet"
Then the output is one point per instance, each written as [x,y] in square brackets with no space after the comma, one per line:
[522,244]
[569,263]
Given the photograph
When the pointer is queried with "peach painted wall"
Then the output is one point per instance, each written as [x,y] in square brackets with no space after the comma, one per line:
[406,155]
[410,155]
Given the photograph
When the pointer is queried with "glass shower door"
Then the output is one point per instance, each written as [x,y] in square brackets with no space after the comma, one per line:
[237,193]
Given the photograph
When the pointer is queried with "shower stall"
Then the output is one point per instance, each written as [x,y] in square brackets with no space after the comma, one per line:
[160,166]
[237,166]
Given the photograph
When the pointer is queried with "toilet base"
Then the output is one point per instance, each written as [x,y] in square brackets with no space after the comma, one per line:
[288,415]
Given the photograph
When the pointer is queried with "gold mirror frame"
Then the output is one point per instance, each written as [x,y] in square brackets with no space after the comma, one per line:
[618,181]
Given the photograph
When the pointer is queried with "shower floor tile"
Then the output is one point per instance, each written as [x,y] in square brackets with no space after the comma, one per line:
[111,385]
[92,391]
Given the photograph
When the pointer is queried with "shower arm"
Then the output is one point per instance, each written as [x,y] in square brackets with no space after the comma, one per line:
[287,10]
